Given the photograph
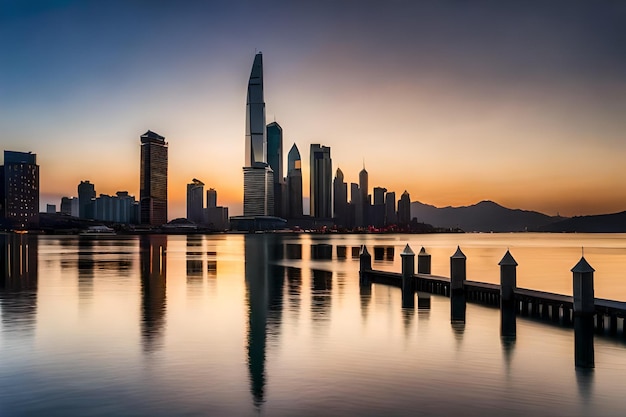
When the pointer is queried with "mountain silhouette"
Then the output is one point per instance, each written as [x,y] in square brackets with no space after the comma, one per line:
[485,216]
[602,223]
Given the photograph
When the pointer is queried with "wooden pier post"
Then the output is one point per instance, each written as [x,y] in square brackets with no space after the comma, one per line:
[408,280]
[423,262]
[584,309]
[457,287]
[508,284]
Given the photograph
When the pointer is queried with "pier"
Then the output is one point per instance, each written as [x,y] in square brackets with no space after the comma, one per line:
[606,316]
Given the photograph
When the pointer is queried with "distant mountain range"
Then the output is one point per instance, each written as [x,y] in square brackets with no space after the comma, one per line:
[603,223]
[485,216]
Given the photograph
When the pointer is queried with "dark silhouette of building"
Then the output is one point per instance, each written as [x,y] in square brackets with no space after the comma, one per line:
[377,210]
[86,197]
[195,201]
[340,200]
[153,179]
[355,210]
[294,183]
[211,198]
[321,180]
[404,209]
[275,161]
[391,217]
[19,190]
[258,178]
[364,199]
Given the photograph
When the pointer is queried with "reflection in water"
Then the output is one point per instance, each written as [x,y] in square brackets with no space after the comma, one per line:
[18,287]
[322,251]
[294,288]
[153,260]
[583,341]
[293,251]
[85,269]
[321,287]
[365,291]
[264,284]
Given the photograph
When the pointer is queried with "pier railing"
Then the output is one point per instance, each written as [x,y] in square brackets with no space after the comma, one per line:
[583,311]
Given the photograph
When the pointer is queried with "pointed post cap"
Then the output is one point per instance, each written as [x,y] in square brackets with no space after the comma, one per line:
[423,251]
[407,251]
[582,267]
[458,254]
[364,251]
[507,260]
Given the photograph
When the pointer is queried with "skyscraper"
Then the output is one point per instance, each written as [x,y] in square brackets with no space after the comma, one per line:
[377,210]
[275,161]
[363,216]
[340,200]
[153,179]
[86,197]
[321,180]
[195,201]
[391,216]
[404,209]
[211,198]
[294,183]
[19,190]
[258,178]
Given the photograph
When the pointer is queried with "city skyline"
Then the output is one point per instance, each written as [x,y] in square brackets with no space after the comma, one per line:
[513,103]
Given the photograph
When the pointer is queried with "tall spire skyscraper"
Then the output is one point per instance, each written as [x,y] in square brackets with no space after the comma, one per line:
[258,181]
[294,183]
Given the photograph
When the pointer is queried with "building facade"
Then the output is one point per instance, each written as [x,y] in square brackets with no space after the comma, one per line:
[404,209]
[19,190]
[321,182]
[153,179]
[340,200]
[195,201]
[294,184]
[275,160]
[258,178]
[86,197]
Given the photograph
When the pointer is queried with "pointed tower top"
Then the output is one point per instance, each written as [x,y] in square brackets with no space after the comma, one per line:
[423,251]
[364,250]
[458,254]
[407,251]
[507,260]
[582,267]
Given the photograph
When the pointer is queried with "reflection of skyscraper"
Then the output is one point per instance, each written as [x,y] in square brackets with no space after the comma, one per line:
[320,185]
[153,260]
[18,282]
[258,178]
[294,183]
[153,179]
[195,201]
[264,300]
[340,200]
[275,161]
[19,190]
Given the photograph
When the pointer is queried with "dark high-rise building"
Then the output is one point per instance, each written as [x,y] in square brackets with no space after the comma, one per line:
[365,202]
[377,211]
[153,180]
[19,190]
[391,216]
[275,161]
[258,178]
[321,180]
[86,197]
[195,201]
[404,209]
[211,198]
[294,183]
[340,200]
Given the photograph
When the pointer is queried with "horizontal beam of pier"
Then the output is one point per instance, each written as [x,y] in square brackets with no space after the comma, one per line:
[490,293]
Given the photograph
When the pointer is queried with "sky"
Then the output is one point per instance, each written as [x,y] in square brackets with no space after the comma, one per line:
[522,103]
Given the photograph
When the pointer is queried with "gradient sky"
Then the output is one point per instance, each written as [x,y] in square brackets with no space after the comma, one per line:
[520,103]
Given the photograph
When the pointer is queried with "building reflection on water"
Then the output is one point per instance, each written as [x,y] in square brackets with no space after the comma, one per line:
[264,299]
[18,287]
[153,261]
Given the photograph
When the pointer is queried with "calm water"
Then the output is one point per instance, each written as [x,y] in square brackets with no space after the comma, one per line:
[265,324]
